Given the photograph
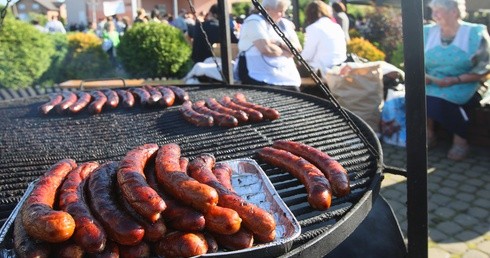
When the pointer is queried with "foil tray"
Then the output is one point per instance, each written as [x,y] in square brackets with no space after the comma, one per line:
[249,181]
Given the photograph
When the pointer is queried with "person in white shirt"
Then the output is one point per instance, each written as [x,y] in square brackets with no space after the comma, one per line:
[55,26]
[325,44]
[264,58]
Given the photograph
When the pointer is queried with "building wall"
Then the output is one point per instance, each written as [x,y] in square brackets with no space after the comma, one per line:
[24,7]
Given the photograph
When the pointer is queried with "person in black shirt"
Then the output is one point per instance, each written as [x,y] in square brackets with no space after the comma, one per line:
[200,49]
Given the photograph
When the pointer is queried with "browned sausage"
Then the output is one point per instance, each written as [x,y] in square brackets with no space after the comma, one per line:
[38,216]
[211,241]
[180,185]
[194,117]
[269,113]
[153,230]
[242,239]
[126,96]
[168,96]
[332,169]
[220,118]
[118,224]
[182,244]
[89,233]
[111,251]
[222,220]
[259,221]
[253,115]
[83,100]
[177,215]
[184,163]
[26,246]
[143,95]
[98,101]
[240,115]
[112,98]
[315,182]
[54,100]
[69,249]
[132,182]
[223,172]
[155,94]
[141,250]
[180,93]
[69,98]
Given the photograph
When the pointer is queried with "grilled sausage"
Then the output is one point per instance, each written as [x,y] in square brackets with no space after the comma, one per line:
[223,172]
[83,100]
[153,230]
[54,100]
[119,225]
[220,118]
[184,163]
[180,93]
[268,113]
[211,241]
[315,182]
[180,185]
[222,220]
[194,117]
[69,98]
[259,221]
[112,98]
[98,101]
[89,233]
[126,97]
[242,239]
[132,182]
[181,244]
[141,250]
[69,249]
[26,246]
[155,95]
[177,215]
[111,251]
[240,115]
[332,169]
[38,216]
[143,95]
[253,115]
[168,96]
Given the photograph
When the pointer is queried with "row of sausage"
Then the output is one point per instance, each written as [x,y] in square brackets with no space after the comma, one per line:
[95,101]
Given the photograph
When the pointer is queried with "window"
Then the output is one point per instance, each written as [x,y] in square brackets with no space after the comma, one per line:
[35,6]
[21,6]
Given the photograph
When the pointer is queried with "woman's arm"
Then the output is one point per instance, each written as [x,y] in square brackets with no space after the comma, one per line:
[270,48]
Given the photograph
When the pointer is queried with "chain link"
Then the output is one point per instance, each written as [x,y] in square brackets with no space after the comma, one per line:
[193,10]
[3,13]
[315,77]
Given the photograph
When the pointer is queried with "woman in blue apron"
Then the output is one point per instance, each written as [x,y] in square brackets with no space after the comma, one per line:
[456,59]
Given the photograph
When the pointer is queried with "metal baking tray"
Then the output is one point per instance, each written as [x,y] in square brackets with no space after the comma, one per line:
[249,181]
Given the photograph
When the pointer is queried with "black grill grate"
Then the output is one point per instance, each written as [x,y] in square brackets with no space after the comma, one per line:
[29,144]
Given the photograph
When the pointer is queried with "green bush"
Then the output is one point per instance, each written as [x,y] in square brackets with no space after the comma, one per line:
[85,59]
[53,74]
[153,50]
[397,58]
[365,49]
[25,53]
[385,29]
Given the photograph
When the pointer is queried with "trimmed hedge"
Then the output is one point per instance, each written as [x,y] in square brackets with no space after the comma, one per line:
[366,49]
[25,53]
[152,50]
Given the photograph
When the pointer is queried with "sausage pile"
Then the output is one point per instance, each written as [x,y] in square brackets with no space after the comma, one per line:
[95,101]
[152,202]
[321,175]
[227,112]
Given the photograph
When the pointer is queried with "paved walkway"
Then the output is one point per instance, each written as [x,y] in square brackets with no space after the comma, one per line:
[458,200]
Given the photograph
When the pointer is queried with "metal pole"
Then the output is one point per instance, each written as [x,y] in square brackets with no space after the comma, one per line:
[224,26]
[296,14]
[412,15]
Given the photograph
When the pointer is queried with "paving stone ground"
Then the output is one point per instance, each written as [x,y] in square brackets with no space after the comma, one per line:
[458,200]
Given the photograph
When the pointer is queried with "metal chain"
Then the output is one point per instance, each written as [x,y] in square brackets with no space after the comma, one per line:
[3,13]
[314,76]
[193,10]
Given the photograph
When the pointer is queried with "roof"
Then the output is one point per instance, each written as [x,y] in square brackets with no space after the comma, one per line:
[48,4]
